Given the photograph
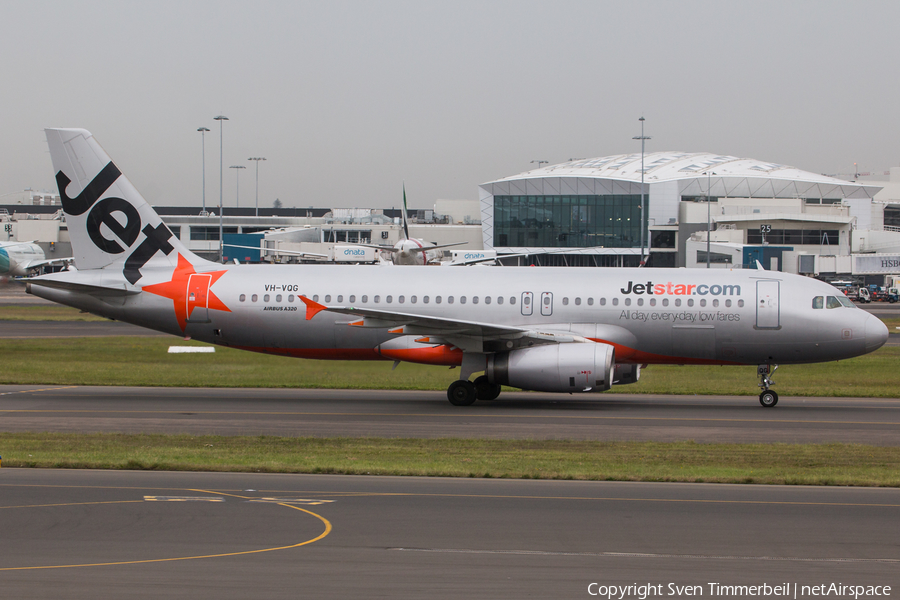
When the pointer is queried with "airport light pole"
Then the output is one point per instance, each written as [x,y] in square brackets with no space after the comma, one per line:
[203,131]
[539,163]
[643,138]
[237,193]
[220,119]
[709,174]
[257,159]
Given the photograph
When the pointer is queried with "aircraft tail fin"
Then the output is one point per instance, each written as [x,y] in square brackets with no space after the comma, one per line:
[109,221]
[403,214]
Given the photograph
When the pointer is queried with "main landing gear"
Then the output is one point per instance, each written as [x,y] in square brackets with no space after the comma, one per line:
[767,398]
[464,393]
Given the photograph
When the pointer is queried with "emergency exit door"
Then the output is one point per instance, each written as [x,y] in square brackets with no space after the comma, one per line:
[768,311]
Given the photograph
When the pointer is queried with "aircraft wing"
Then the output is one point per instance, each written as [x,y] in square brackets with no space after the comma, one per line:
[43,263]
[467,335]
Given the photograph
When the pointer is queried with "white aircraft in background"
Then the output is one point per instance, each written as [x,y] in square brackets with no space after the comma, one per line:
[545,328]
[21,258]
[409,250]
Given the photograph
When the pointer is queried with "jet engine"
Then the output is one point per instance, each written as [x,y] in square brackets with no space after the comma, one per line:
[625,374]
[570,367]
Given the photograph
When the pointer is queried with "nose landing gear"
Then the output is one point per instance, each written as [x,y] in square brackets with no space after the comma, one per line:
[767,398]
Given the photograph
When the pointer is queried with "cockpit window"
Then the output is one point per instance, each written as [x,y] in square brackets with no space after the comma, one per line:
[819,302]
[846,301]
[832,302]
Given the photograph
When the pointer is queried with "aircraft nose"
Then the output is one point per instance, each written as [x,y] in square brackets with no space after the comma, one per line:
[876,333]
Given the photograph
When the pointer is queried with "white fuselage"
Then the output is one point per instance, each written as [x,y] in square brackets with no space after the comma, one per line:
[649,315]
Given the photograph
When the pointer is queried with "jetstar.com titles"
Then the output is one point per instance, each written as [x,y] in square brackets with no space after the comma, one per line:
[681,289]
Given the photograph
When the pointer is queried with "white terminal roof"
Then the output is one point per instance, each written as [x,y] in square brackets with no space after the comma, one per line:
[730,176]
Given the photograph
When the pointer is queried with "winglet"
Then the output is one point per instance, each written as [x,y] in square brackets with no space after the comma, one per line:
[312,307]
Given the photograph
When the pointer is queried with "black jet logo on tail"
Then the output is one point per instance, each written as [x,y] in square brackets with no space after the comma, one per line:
[105,213]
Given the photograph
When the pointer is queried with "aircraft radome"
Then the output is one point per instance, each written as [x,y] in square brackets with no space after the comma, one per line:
[546,329]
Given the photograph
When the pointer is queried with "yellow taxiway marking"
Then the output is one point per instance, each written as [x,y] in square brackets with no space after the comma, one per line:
[336,494]
[450,415]
[68,387]
[327,530]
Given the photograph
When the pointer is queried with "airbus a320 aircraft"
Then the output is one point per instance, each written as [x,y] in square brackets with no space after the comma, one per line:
[545,329]
[20,258]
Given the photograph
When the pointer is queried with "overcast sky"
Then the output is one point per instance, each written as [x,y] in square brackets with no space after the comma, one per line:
[347,100]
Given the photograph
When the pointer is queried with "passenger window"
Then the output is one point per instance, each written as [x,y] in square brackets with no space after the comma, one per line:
[266,298]
[315,298]
[352,299]
[577,301]
[602,301]
[376,299]
[278,298]
[716,302]
[365,299]
[702,302]
[340,298]
[741,303]
[401,299]
[449,299]
[512,299]
[487,299]
[254,298]
[389,299]
[425,299]
[243,297]
[615,302]
[652,301]
[290,297]
[327,298]
[565,301]
[413,299]
[832,302]
[437,299]
[590,301]
[665,301]
[819,302]
[640,301]
[728,303]
[627,301]
[499,299]
[462,299]
[677,301]
[690,301]
[474,299]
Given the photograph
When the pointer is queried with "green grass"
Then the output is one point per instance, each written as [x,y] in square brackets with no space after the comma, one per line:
[807,464]
[56,312]
[144,361]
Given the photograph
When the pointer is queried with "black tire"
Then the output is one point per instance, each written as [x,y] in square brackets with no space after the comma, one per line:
[768,399]
[484,389]
[461,393]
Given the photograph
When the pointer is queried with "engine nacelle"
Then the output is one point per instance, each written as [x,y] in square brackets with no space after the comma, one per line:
[571,367]
[625,374]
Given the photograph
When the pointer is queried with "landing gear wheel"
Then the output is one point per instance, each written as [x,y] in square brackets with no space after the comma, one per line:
[484,389]
[768,399]
[461,393]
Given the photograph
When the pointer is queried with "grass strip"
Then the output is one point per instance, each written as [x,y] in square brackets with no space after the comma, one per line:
[144,361]
[56,312]
[799,464]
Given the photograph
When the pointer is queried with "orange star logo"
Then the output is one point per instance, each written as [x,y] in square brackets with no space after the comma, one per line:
[189,290]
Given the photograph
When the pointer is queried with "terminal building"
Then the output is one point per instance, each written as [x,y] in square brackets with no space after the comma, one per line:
[578,213]
[589,212]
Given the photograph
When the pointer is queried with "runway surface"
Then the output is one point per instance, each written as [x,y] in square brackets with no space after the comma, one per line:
[100,534]
[392,413]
